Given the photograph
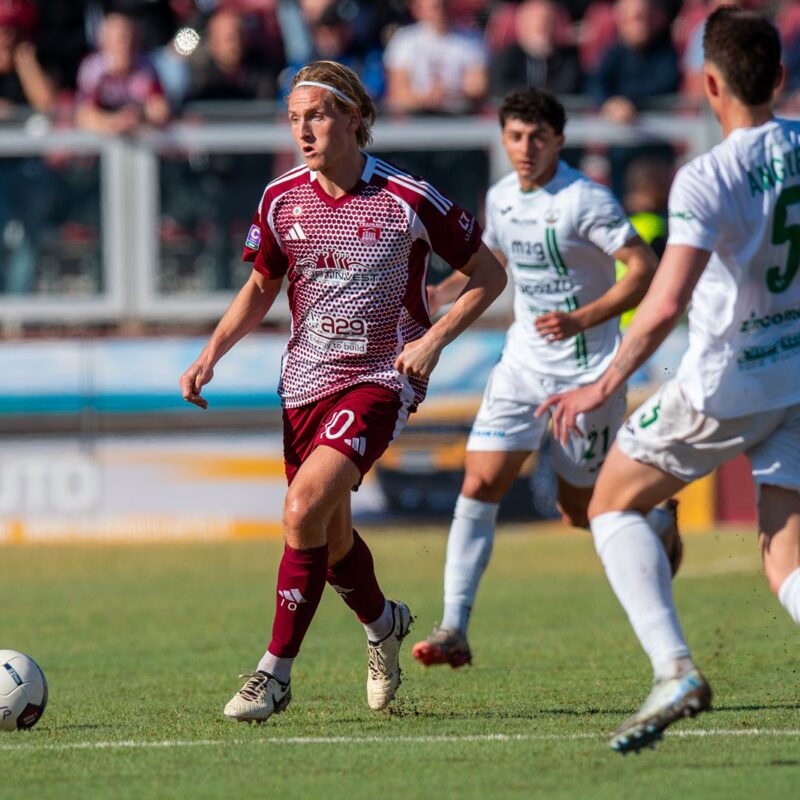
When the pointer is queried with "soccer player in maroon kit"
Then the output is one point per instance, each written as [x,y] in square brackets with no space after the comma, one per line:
[353,235]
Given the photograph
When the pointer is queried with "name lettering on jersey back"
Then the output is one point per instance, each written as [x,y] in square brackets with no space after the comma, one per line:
[774,172]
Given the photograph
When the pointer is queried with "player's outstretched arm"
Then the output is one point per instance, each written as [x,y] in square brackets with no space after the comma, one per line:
[669,294]
[487,279]
[624,294]
[246,311]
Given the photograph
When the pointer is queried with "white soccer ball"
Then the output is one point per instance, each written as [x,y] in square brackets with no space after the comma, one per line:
[23,691]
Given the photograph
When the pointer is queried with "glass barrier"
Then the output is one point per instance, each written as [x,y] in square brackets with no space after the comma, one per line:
[50,226]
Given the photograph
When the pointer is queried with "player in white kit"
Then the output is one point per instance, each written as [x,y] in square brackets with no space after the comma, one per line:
[559,234]
[734,251]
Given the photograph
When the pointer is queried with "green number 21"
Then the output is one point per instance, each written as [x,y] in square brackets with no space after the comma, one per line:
[778,281]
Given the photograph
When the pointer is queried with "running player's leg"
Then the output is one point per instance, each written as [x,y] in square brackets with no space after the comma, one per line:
[573,503]
[315,493]
[779,538]
[351,574]
[776,469]
[488,476]
[504,433]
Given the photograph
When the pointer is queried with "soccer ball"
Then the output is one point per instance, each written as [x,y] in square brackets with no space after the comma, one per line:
[23,691]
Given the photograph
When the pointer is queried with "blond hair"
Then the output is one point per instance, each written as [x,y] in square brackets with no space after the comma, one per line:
[347,84]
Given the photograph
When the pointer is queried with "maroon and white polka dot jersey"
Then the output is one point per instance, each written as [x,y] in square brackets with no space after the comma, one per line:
[356,268]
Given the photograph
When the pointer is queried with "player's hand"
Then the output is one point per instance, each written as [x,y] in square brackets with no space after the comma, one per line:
[556,326]
[565,408]
[192,382]
[418,358]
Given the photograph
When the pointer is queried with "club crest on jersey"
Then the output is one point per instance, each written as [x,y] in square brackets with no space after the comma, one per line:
[253,238]
[551,216]
[368,232]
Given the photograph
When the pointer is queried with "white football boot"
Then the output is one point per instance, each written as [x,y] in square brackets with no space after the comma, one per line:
[669,700]
[262,696]
[383,673]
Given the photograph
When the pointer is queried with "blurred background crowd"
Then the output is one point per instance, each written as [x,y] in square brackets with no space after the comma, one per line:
[118,68]
[112,64]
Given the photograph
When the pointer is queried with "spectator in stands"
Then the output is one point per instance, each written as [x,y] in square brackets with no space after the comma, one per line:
[225,68]
[333,39]
[155,20]
[643,64]
[434,67]
[536,59]
[23,82]
[118,88]
[61,41]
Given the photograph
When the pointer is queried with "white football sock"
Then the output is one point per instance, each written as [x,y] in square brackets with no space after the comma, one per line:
[380,628]
[469,547]
[789,595]
[659,519]
[639,573]
[280,668]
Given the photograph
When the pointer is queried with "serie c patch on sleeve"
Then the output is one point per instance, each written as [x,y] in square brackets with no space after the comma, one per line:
[253,238]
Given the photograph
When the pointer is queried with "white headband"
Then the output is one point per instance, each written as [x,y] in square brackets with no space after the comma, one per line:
[331,89]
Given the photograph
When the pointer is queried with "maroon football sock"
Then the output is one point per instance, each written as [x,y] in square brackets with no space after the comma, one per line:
[354,579]
[301,579]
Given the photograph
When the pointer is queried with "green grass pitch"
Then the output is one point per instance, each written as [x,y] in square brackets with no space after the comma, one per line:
[143,646]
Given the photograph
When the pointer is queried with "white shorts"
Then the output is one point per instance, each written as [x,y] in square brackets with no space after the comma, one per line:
[668,433]
[505,423]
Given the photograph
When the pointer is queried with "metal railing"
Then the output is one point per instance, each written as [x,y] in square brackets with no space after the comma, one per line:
[137,174]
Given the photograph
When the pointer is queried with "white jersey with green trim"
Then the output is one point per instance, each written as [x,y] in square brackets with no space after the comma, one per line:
[741,201]
[558,242]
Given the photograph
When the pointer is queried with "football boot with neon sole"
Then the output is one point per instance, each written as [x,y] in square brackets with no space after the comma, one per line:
[443,646]
[669,700]
[262,696]
[383,673]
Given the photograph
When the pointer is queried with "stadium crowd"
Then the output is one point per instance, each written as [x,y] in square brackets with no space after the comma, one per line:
[115,66]
[121,62]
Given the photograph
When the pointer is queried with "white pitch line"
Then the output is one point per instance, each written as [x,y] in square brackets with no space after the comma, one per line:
[324,740]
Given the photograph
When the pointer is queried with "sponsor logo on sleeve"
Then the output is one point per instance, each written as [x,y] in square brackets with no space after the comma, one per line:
[253,238]
[467,223]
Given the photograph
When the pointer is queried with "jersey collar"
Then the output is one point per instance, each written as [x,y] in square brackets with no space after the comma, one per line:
[338,202]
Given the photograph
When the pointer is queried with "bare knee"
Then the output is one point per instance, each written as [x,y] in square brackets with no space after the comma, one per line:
[478,487]
[302,519]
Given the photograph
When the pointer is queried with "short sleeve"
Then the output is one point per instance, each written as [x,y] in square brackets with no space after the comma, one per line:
[262,249]
[693,220]
[602,220]
[490,231]
[453,232]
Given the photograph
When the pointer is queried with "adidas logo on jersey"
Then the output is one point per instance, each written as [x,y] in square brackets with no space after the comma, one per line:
[358,443]
[292,595]
[296,232]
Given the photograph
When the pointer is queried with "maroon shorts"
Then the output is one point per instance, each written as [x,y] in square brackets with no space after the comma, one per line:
[360,421]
